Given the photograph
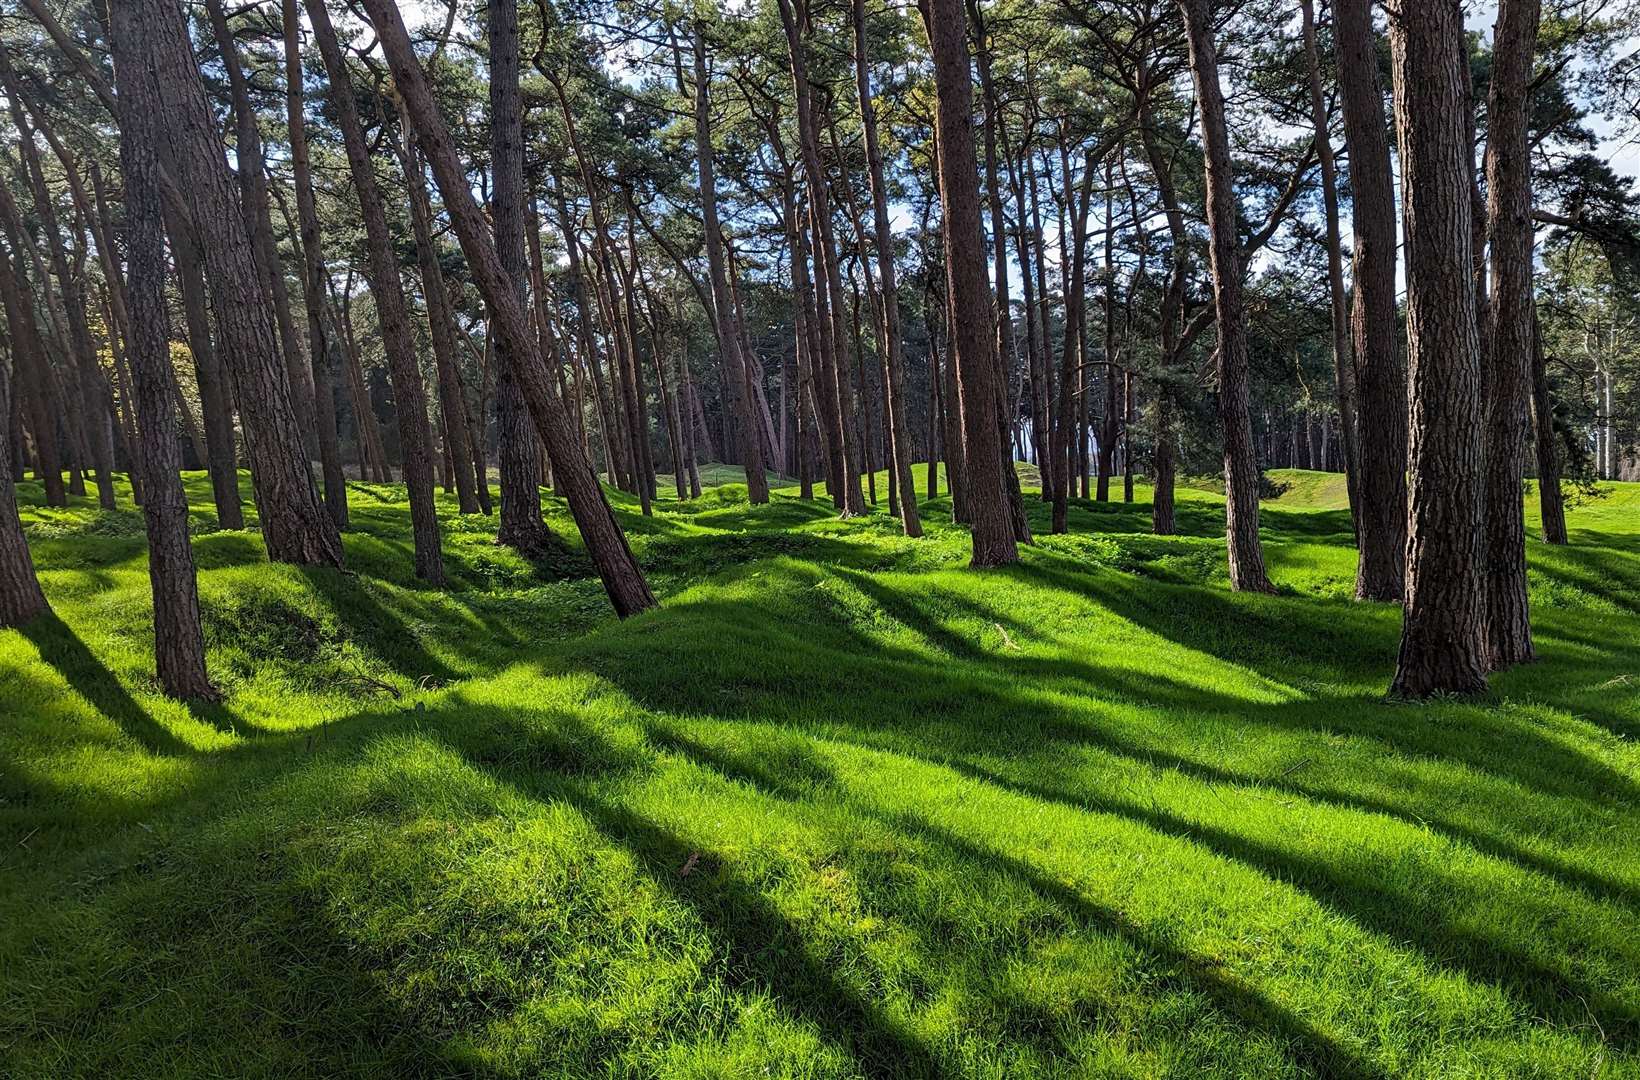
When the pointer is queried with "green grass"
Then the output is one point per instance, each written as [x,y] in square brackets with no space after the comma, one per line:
[841,807]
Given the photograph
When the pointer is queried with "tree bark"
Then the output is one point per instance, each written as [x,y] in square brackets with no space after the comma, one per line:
[993,530]
[1510,232]
[321,350]
[294,523]
[1374,323]
[1241,472]
[518,444]
[905,486]
[409,395]
[1551,502]
[1443,636]
[20,596]
[42,403]
[441,329]
[1343,365]
[94,394]
[179,645]
[605,541]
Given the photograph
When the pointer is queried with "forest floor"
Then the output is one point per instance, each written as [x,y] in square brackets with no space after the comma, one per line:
[840,807]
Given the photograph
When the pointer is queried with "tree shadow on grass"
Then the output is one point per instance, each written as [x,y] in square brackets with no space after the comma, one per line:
[61,648]
[384,631]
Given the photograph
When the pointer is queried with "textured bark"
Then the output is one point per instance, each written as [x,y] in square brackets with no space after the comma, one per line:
[294,523]
[518,445]
[441,329]
[968,290]
[253,183]
[1551,502]
[728,326]
[1374,324]
[584,331]
[1343,365]
[321,349]
[1241,473]
[92,401]
[215,400]
[605,542]
[1510,233]
[1443,636]
[835,399]
[20,596]
[179,646]
[42,405]
[409,395]
[905,486]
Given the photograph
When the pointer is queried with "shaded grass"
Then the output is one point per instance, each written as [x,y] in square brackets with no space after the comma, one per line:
[839,808]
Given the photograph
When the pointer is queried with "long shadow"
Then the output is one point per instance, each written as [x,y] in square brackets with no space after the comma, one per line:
[1367,899]
[1308,1045]
[61,648]
[371,621]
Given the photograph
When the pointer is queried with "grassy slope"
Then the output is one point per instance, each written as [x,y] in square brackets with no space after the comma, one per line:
[839,808]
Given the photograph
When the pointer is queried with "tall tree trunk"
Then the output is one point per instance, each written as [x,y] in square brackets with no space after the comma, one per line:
[294,523]
[1551,503]
[905,487]
[1374,323]
[728,327]
[94,395]
[1509,383]
[993,531]
[1343,364]
[259,220]
[1241,473]
[321,350]
[605,542]
[519,445]
[409,395]
[441,330]
[20,596]
[43,405]
[179,645]
[1443,636]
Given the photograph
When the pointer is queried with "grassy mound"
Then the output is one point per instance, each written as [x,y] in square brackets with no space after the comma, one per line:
[840,808]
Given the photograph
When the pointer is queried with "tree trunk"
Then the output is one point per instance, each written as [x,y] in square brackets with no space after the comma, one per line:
[442,331]
[294,523]
[409,395]
[1443,636]
[1551,503]
[518,445]
[179,645]
[28,350]
[1241,472]
[1343,365]
[20,596]
[1510,232]
[1381,404]
[904,488]
[94,394]
[321,351]
[605,542]
[993,531]
[728,327]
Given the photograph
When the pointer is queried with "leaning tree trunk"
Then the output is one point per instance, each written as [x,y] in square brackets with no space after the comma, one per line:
[605,542]
[1551,502]
[409,395]
[1443,636]
[321,350]
[20,595]
[518,445]
[179,645]
[295,525]
[1241,474]
[969,291]
[1381,400]
[1509,384]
